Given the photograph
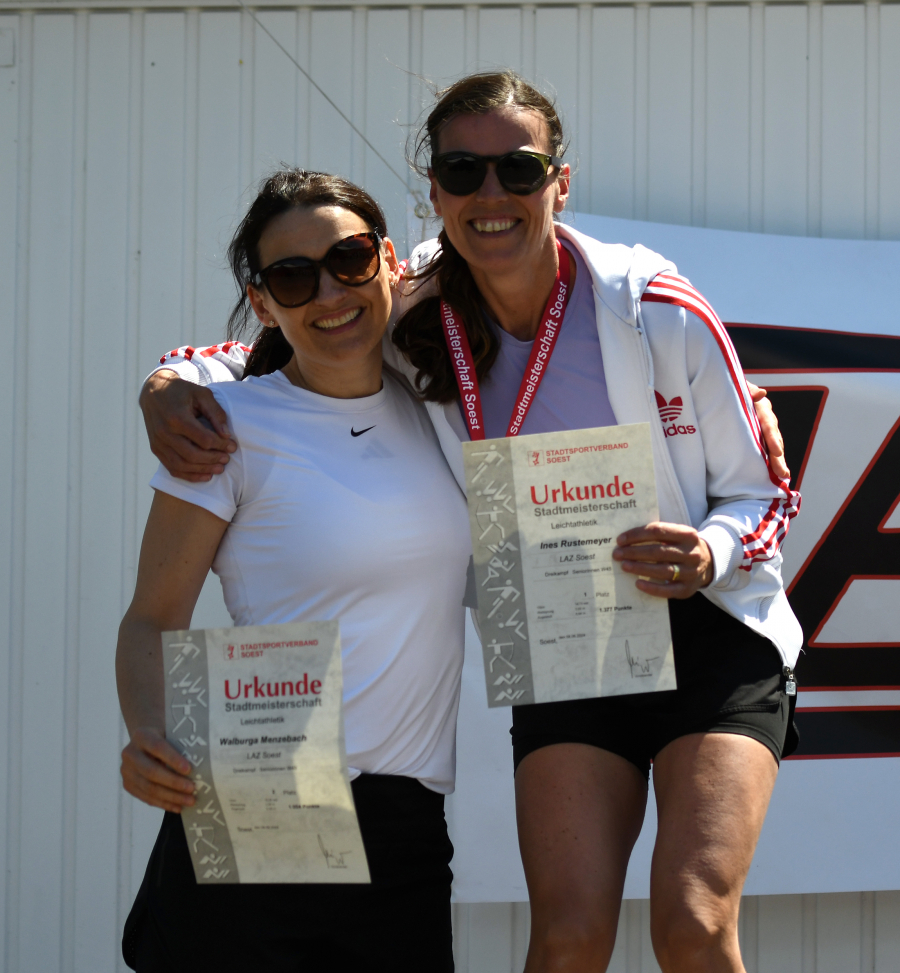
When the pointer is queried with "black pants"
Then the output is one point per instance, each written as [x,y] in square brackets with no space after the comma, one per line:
[730,680]
[399,923]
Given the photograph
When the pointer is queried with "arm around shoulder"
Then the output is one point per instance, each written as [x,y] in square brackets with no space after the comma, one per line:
[186,426]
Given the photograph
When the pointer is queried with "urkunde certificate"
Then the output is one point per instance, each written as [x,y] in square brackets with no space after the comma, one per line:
[258,713]
[559,618]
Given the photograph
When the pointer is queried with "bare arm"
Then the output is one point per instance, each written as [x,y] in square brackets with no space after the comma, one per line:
[180,542]
[174,411]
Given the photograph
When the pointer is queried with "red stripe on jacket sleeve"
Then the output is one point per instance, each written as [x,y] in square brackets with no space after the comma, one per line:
[185,351]
[224,349]
[764,541]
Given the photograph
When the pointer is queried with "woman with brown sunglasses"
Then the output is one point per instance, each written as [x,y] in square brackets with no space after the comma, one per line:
[337,504]
[637,344]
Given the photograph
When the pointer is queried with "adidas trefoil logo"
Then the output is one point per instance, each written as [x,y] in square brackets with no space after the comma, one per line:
[669,412]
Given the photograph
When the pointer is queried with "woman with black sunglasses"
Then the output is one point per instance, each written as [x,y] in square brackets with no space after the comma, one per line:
[637,344]
[337,504]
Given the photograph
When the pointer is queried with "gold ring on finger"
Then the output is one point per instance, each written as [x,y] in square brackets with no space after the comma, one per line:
[676,573]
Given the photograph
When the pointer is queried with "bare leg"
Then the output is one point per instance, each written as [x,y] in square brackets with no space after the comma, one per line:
[712,792]
[579,811]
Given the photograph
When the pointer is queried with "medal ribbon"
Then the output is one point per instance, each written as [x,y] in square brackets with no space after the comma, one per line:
[544,342]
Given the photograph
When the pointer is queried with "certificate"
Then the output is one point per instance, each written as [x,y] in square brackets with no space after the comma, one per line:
[258,713]
[559,619]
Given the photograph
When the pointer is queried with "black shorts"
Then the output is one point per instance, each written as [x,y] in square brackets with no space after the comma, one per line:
[730,680]
[399,923]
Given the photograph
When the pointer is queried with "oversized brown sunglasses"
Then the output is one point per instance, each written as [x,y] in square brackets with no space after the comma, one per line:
[294,281]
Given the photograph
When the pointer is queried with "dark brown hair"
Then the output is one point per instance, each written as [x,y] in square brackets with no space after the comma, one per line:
[419,333]
[281,191]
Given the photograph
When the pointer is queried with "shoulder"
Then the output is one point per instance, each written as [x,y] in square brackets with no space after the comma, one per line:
[422,255]
[411,291]
[217,363]
[609,259]
[252,388]
[620,273]
[229,352]
[678,291]
[701,321]
[252,402]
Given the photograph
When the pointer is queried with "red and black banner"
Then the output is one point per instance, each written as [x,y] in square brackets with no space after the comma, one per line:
[858,545]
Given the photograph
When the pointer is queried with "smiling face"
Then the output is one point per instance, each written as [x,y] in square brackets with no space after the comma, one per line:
[341,328]
[494,230]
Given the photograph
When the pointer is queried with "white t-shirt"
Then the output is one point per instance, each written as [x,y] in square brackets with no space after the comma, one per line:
[346,509]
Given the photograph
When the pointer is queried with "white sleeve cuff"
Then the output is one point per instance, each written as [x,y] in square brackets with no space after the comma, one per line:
[184,369]
[216,498]
[726,551]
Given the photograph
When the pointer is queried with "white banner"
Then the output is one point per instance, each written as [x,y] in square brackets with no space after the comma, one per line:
[813,321]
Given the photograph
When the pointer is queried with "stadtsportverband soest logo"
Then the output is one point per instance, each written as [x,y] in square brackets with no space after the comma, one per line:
[669,411]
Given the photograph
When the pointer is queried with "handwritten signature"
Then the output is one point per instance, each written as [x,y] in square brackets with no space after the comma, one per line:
[333,859]
[639,667]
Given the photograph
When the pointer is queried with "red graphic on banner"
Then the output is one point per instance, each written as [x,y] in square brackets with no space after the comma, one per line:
[857,546]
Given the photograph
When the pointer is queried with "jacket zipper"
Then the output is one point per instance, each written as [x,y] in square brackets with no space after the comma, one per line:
[790,681]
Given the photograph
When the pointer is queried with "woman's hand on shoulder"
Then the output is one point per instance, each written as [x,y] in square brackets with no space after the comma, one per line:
[670,560]
[186,426]
[155,772]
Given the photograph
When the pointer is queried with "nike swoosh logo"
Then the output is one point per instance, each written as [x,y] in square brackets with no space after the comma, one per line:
[354,433]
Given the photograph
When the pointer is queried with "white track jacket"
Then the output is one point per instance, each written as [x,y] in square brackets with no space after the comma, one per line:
[668,362]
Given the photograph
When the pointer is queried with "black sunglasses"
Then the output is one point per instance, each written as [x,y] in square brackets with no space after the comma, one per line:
[294,281]
[520,173]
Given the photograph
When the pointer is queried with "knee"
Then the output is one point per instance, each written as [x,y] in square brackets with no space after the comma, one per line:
[696,939]
[570,945]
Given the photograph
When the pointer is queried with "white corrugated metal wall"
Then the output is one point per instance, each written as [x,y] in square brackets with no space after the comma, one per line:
[127,138]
